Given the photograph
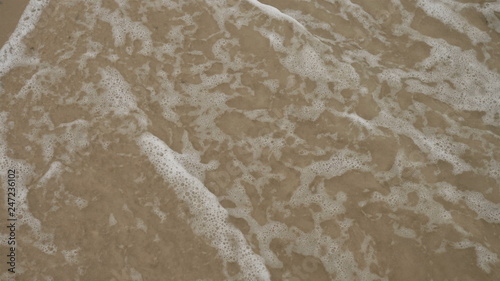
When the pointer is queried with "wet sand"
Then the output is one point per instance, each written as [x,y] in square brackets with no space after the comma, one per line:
[232,141]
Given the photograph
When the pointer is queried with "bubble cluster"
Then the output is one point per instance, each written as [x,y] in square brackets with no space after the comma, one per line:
[344,160]
[117,92]
[123,26]
[12,52]
[71,256]
[445,14]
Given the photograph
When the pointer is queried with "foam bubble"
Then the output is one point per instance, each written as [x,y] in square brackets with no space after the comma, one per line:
[71,256]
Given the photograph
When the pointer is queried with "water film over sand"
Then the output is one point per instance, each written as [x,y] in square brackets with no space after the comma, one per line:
[251,140]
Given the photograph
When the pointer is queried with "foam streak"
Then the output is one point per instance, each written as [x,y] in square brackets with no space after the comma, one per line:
[209,216]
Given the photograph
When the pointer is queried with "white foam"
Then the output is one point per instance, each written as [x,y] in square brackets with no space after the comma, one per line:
[209,216]
[123,26]
[275,13]
[485,209]
[12,52]
[444,13]
[426,205]
[484,257]
[341,162]
[118,95]
[75,135]
[265,235]
[134,274]
[440,147]
[141,225]
[71,256]
[55,169]
[404,231]
[112,220]
[489,10]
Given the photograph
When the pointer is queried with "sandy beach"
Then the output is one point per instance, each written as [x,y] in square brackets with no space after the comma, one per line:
[250,140]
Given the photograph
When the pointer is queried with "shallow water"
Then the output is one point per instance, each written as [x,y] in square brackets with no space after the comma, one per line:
[246,140]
